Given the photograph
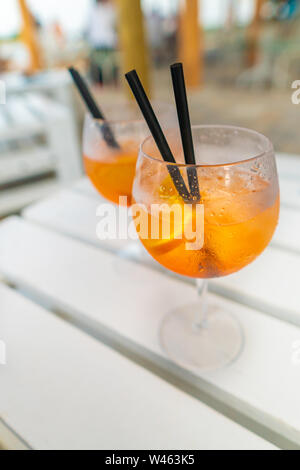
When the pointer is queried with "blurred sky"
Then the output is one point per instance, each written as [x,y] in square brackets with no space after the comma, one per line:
[72,14]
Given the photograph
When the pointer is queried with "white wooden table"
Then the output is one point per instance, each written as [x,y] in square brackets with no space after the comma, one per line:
[84,369]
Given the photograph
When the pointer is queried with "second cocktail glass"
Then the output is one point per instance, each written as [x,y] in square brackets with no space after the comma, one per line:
[111,168]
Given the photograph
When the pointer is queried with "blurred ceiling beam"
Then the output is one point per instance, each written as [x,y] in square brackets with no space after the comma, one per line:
[29,37]
[134,48]
[191,43]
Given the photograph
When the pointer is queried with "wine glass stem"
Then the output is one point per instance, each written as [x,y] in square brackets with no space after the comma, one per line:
[200,318]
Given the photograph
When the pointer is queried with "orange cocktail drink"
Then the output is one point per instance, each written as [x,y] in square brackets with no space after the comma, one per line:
[112,172]
[238,223]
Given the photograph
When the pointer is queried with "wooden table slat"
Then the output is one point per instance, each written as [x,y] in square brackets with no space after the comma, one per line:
[83,282]
[74,214]
[61,389]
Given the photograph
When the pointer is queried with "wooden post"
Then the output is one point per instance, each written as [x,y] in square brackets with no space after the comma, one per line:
[134,49]
[253,34]
[28,36]
[191,42]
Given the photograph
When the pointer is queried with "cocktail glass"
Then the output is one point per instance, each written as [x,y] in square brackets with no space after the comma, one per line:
[219,234]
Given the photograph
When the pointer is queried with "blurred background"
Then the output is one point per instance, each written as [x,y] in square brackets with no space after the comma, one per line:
[240,57]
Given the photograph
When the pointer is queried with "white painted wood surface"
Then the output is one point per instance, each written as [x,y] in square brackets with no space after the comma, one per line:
[288,230]
[75,214]
[85,285]
[288,165]
[12,200]
[269,284]
[61,389]
[290,193]
[85,186]
[289,178]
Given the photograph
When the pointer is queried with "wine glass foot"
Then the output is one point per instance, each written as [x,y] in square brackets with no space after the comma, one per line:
[212,345]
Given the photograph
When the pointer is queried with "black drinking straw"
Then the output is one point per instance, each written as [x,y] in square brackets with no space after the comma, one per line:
[93,107]
[185,127]
[157,133]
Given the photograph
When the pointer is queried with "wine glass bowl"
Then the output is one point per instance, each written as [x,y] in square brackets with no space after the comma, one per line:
[240,200]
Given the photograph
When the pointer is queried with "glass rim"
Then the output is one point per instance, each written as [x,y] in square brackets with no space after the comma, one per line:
[269,148]
[112,122]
